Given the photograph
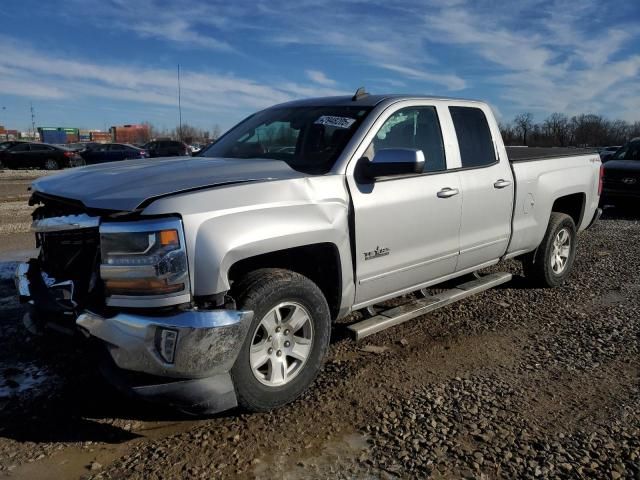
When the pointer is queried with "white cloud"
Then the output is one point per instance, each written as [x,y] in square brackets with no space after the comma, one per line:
[178,30]
[545,57]
[319,77]
[346,29]
[30,73]
[451,82]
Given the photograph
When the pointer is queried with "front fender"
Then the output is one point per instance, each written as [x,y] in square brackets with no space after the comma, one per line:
[229,224]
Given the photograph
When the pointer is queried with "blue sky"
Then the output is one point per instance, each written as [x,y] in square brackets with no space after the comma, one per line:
[93,64]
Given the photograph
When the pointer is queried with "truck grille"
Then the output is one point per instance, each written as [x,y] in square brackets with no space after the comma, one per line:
[71,255]
[68,254]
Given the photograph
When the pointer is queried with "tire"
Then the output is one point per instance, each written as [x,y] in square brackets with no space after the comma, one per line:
[545,266]
[266,291]
[51,164]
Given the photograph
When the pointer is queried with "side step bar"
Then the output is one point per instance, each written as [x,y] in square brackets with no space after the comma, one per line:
[408,311]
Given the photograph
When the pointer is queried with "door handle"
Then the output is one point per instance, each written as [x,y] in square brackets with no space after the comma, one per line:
[501,183]
[447,192]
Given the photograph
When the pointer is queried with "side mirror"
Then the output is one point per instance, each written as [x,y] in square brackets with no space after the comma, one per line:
[394,161]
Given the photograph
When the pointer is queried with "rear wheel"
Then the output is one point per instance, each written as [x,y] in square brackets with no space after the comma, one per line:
[51,164]
[550,264]
[287,340]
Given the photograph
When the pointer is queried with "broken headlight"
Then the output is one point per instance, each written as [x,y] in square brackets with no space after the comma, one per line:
[143,258]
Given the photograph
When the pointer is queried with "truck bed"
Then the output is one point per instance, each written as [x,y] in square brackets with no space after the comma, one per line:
[525,154]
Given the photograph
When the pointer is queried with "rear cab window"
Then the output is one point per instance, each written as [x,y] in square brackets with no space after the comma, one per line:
[474,137]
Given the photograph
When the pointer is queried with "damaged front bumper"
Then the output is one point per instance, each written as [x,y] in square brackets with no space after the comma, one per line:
[182,358]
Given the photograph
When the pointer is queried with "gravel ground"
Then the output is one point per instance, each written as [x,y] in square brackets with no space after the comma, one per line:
[513,383]
[15,213]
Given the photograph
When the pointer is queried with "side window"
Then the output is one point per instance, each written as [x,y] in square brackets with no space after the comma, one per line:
[413,127]
[21,148]
[474,136]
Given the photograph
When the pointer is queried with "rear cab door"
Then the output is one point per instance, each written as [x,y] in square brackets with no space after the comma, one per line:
[406,231]
[487,186]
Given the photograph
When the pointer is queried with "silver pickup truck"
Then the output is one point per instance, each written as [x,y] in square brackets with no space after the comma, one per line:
[213,281]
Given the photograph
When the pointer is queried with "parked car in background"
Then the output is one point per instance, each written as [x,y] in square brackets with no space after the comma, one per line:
[167,148]
[80,146]
[7,144]
[195,148]
[112,152]
[607,152]
[621,176]
[38,155]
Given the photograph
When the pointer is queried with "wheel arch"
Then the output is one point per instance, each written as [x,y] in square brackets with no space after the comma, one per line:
[572,205]
[319,262]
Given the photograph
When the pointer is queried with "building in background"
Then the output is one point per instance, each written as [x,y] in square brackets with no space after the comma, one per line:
[7,134]
[99,136]
[59,135]
[130,134]
[84,135]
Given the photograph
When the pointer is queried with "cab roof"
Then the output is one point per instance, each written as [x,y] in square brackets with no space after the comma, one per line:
[366,100]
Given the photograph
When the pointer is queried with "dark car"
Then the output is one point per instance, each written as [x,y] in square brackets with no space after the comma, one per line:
[38,155]
[111,152]
[167,148]
[80,146]
[606,153]
[621,175]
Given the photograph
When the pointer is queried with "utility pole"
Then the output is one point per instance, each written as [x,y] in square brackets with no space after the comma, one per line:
[5,127]
[33,122]
[179,107]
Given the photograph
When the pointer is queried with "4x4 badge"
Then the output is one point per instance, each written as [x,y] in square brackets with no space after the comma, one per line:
[378,252]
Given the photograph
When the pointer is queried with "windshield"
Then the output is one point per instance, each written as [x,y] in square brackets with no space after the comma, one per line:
[309,139]
[630,151]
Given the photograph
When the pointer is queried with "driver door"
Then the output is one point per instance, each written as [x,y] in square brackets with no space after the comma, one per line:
[406,227]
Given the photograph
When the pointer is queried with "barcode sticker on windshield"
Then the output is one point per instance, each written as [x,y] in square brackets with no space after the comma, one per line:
[338,122]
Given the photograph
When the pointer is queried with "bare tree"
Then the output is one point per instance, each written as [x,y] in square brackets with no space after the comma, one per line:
[556,126]
[217,131]
[508,135]
[589,130]
[523,124]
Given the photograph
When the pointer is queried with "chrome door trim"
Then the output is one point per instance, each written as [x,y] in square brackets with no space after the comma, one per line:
[408,267]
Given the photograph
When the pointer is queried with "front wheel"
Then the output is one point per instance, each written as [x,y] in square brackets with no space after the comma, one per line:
[287,340]
[550,264]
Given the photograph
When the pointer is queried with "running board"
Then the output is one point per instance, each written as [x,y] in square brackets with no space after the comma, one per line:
[408,311]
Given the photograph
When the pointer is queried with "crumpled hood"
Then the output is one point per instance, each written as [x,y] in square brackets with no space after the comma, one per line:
[125,185]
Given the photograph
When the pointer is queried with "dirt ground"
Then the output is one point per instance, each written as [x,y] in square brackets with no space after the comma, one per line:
[15,212]
[513,383]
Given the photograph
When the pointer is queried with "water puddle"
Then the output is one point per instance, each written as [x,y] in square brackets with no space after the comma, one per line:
[7,270]
[323,460]
[21,379]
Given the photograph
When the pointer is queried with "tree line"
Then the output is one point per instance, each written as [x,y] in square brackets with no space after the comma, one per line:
[558,130]
[185,132]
